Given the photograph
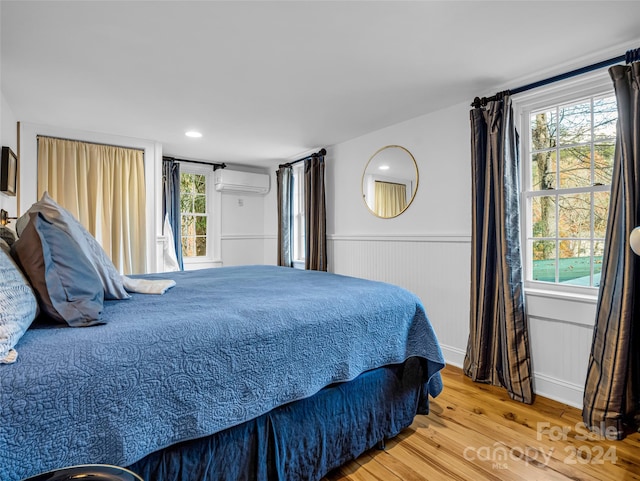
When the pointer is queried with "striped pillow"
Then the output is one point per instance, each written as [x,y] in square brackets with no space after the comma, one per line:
[17,306]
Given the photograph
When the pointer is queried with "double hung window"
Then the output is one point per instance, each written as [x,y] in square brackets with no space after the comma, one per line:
[194,214]
[199,216]
[568,151]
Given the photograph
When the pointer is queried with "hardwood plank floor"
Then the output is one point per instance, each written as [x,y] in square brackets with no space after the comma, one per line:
[475,432]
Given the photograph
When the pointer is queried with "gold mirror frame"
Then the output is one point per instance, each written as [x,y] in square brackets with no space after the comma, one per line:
[366,189]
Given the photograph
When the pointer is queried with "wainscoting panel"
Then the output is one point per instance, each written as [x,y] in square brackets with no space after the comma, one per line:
[246,249]
[560,355]
[435,268]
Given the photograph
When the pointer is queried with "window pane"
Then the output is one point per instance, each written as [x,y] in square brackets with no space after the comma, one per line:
[187,182]
[575,167]
[201,225]
[188,246]
[200,184]
[186,203]
[544,261]
[603,163]
[575,262]
[188,225]
[605,115]
[600,213]
[598,251]
[575,124]
[543,216]
[574,215]
[201,246]
[200,204]
[543,170]
[543,130]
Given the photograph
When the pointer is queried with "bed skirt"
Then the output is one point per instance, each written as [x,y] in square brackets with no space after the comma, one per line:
[302,440]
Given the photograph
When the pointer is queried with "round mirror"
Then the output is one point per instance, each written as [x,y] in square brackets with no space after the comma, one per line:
[390,181]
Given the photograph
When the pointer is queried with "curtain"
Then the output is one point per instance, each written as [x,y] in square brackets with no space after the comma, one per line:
[498,348]
[284,180]
[171,202]
[315,214]
[390,198]
[611,394]
[103,187]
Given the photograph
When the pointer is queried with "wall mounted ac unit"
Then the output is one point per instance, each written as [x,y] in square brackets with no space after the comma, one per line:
[241,182]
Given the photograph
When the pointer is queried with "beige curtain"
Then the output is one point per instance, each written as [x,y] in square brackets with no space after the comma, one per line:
[103,187]
[390,198]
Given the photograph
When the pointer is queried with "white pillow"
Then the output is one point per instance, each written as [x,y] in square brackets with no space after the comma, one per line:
[18,306]
[63,219]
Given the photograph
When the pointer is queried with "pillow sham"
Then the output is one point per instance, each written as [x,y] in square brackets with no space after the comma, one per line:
[66,284]
[18,306]
[109,276]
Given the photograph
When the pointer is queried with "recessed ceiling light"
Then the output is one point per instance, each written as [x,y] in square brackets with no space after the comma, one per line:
[193,133]
[384,167]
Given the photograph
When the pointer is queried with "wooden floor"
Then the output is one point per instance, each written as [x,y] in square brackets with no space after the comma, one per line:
[475,432]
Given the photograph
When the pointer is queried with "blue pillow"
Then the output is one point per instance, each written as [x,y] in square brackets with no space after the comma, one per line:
[17,306]
[66,284]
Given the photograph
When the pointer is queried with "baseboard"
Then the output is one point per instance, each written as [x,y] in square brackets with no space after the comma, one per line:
[546,386]
[453,355]
[559,390]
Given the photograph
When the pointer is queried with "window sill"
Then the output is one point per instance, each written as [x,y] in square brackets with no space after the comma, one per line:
[200,263]
[298,265]
[587,297]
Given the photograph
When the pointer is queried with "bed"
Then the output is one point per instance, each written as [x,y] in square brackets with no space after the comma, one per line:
[251,372]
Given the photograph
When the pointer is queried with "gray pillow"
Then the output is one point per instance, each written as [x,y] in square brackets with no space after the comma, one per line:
[18,306]
[7,235]
[63,219]
[66,284]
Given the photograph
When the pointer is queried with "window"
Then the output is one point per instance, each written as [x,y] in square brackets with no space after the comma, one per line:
[568,152]
[193,209]
[200,217]
[298,215]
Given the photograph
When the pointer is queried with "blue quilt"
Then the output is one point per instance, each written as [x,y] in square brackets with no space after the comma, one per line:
[224,346]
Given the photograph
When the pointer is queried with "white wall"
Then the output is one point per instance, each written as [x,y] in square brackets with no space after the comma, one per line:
[8,138]
[270,246]
[427,248]
[249,223]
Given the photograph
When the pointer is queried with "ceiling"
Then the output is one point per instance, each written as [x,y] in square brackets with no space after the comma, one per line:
[270,80]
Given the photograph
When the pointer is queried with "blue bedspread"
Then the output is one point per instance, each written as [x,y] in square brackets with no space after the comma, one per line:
[222,347]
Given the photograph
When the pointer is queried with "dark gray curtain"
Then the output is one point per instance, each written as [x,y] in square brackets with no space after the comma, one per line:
[284,180]
[498,348]
[171,202]
[315,214]
[611,394]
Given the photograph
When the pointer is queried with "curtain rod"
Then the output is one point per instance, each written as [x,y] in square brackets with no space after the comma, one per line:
[321,153]
[89,142]
[630,56]
[215,165]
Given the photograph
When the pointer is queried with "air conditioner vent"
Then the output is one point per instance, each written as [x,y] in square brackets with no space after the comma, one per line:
[244,182]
